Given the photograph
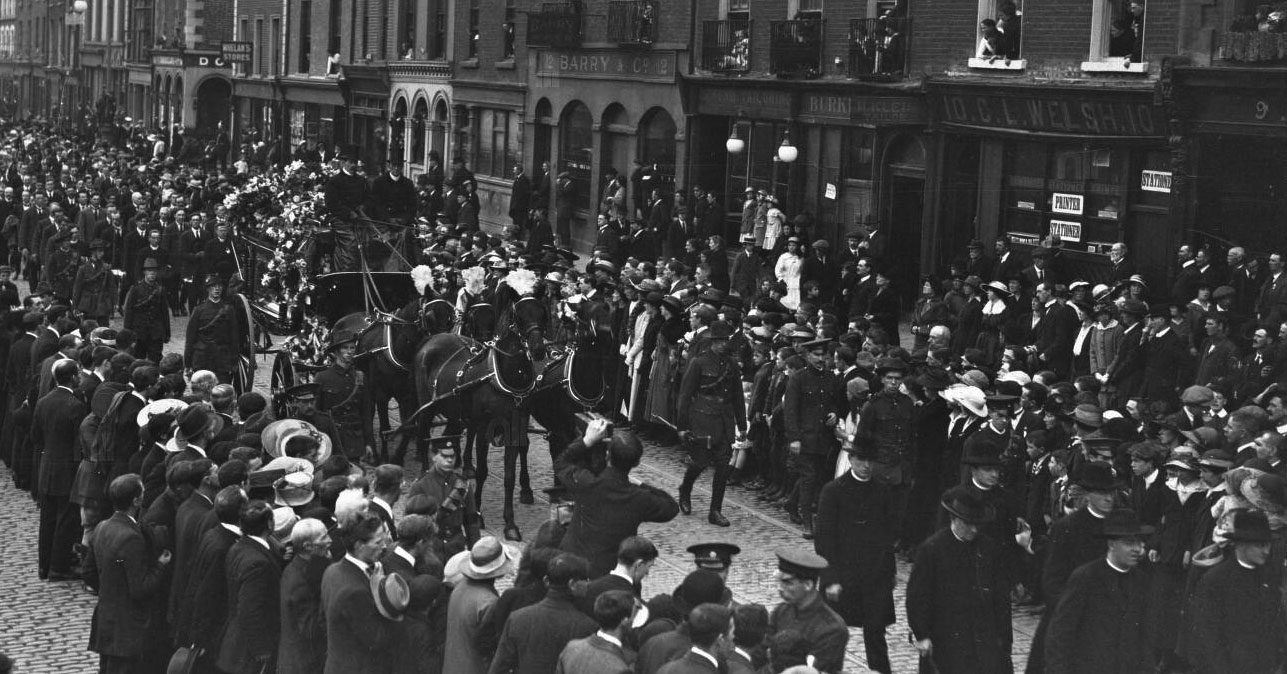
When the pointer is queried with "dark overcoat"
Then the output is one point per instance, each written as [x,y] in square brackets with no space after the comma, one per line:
[854,532]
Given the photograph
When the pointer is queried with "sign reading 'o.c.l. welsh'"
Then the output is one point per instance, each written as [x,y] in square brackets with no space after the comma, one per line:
[1081,114]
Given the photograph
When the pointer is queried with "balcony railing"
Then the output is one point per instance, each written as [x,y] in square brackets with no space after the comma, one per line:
[632,22]
[878,48]
[795,48]
[1252,46]
[726,45]
[557,24]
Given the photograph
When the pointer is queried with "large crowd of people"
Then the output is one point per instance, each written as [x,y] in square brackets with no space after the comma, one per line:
[1104,449]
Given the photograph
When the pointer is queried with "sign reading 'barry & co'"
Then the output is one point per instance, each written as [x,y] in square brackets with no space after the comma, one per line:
[614,65]
[1060,113]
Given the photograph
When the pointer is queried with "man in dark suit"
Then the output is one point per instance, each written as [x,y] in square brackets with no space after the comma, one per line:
[123,570]
[958,599]
[415,641]
[744,278]
[386,491]
[1271,303]
[520,197]
[1100,624]
[1168,367]
[302,648]
[977,262]
[1040,271]
[603,652]
[609,508]
[1056,332]
[357,635]
[1008,263]
[822,268]
[534,636]
[253,573]
[1127,366]
[55,434]
[635,557]
[1240,622]
[717,258]
[203,603]
[707,623]
[1073,540]
[393,196]
[1245,279]
[541,188]
[1187,278]
[188,530]
[855,534]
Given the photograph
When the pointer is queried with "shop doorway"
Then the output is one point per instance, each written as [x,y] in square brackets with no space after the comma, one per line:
[212,104]
[905,170]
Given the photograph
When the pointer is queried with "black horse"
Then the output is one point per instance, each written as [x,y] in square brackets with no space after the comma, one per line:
[387,349]
[570,382]
[481,388]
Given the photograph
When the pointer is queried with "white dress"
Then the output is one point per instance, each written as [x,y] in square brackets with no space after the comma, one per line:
[787,271]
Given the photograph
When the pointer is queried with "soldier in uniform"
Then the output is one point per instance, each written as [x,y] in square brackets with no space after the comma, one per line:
[95,290]
[710,404]
[452,489]
[804,610]
[212,342]
[716,558]
[60,266]
[810,410]
[147,313]
[345,397]
[886,423]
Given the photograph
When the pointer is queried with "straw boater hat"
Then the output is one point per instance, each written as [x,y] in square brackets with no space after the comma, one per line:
[391,594]
[274,436]
[170,406]
[489,558]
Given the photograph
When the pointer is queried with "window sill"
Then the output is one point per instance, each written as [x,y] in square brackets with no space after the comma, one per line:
[999,64]
[469,63]
[1114,65]
[507,64]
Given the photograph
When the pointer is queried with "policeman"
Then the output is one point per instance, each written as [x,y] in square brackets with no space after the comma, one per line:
[212,342]
[345,397]
[710,405]
[147,313]
[716,557]
[457,515]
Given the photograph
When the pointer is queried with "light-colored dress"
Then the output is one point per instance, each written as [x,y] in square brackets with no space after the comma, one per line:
[787,270]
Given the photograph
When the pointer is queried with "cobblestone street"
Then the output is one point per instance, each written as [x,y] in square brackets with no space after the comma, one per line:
[44,626]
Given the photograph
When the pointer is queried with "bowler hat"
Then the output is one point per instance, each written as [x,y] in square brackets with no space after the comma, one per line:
[862,449]
[965,504]
[1096,476]
[1124,523]
[1249,526]
[981,450]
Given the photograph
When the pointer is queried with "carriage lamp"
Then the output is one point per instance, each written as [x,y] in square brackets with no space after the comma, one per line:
[734,145]
[787,152]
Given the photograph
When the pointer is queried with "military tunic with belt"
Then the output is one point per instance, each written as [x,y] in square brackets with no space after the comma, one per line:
[457,514]
[212,342]
[147,313]
[711,406]
[345,397]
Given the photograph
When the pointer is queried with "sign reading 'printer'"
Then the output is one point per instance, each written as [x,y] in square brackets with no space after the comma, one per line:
[1062,114]
[606,65]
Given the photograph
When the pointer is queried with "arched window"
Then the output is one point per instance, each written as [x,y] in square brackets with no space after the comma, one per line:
[657,146]
[576,152]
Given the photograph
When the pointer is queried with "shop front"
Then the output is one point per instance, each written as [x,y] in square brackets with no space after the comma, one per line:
[315,112]
[1081,168]
[598,112]
[419,113]
[1234,187]
[366,95]
[858,158]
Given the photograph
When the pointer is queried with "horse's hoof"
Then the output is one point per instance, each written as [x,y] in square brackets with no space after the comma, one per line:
[512,534]
[526,498]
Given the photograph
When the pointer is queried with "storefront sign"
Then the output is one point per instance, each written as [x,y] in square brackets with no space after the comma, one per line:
[236,52]
[822,108]
[1060,113]
[609,65]
[830,192]
[757,103]
[1068,204]
[1065,230]
[172,61]
[1155,181]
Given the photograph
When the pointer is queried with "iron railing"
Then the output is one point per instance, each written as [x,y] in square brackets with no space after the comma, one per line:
[726,45]
[878,48]
[795,48]
[632,22]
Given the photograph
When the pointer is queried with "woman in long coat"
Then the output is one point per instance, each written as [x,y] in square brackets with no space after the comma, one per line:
[787,270]
[665,363]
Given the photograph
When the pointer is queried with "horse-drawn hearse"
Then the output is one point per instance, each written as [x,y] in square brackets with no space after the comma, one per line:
[481,367]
